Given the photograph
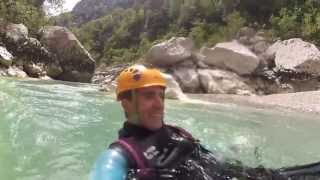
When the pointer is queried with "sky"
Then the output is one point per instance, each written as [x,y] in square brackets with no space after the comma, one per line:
[68,5]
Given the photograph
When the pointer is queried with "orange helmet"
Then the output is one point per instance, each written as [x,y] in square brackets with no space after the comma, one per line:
[138,76]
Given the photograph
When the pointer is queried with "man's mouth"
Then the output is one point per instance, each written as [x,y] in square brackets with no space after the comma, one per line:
[157,115]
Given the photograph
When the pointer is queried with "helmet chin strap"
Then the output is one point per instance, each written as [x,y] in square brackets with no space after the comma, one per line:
[135,116]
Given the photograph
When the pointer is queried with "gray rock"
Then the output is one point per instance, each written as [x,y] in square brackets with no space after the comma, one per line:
[33,51]
[246,32]
[45,77]
[256,39]
[297,55]
[33,42]
[260,47]
[16,32]
[173,90]
[2,27]
[34,69]
[29,51]
[13,71]
[244,40]
[198,58]
[170,52]
[5,57]
[3,71]
[75,61]
[222,82]
[231,55]
[187,63]
[188,79]
[53,69]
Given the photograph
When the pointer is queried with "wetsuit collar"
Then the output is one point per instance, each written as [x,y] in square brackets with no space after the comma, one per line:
[130,129]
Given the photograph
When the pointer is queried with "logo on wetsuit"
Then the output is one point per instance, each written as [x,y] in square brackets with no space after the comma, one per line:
[151,152]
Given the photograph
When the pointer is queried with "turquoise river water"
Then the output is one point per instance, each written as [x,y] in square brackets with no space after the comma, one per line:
[51,130]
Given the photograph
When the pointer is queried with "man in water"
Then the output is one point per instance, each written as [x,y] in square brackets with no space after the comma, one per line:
[148,148]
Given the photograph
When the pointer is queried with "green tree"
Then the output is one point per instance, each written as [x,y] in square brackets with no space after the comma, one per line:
[28,12]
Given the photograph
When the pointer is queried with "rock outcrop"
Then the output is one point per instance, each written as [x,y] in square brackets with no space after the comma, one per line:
[231,56]
[5,57]
[188,79]
[16,32]
[59,55]
[228,68]
[76,63]
[296,55]
[173,90]
[216,81]
[170,52]
[14,71]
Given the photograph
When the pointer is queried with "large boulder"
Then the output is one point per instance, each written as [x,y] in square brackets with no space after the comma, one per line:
[231,55]
[245,34]
[34,69]
[222,82]
[170,52]
[260,47]
[14,38]
[29,53]
[188,78]
[76,63]
[5,57]
[173,90]
[16,32]
[14,71]
[297,55]
[2,27]
[3,71]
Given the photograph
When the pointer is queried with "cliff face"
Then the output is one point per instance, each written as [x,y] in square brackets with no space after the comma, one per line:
[87,10]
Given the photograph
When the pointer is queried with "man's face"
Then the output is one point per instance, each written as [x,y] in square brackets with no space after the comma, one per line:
[150,107]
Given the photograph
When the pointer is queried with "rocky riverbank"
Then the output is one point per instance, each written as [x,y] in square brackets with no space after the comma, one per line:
[301,101]
[249,66]
[54,52]
[250,70]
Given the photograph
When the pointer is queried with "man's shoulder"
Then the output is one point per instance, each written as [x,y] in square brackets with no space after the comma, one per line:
[120,148]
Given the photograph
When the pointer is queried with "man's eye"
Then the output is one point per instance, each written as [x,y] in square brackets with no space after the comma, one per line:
[148,95]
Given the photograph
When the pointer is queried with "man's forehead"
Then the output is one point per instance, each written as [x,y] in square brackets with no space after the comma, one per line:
[151,89]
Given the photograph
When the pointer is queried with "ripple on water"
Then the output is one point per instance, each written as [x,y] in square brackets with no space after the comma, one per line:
[55,131]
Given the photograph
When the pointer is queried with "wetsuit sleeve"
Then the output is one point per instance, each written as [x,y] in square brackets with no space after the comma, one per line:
[110,165]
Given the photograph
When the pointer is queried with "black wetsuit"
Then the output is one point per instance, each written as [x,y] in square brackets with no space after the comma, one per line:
[171,153]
